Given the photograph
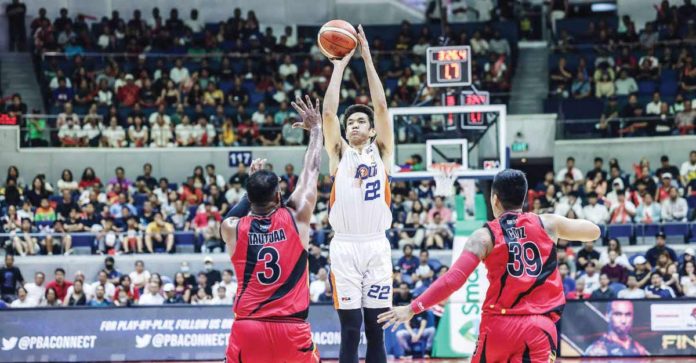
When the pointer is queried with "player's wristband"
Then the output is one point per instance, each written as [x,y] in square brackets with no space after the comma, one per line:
[241,209]
[447,284]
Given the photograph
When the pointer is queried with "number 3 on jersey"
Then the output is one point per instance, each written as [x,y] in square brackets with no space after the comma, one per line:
[372,190]
[524,258]
[271,269]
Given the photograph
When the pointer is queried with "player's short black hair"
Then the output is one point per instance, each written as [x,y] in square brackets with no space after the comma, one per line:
[598,159]
[570,158]
[262,186]
[360,108]
[510,185]
[59,270]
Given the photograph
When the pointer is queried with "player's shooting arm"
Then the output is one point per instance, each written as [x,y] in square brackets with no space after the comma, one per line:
[332,126]
[385,132]
[476,248]
[304,198]
[570,229]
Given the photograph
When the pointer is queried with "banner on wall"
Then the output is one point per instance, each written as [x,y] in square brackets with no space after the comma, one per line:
[458,329]
[624,328]
[182,332]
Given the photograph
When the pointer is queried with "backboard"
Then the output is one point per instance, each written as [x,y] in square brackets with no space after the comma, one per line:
[423,132]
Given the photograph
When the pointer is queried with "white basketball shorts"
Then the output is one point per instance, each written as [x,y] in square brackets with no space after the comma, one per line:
[361,271]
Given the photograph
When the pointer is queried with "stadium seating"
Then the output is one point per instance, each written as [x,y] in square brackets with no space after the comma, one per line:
[585,45]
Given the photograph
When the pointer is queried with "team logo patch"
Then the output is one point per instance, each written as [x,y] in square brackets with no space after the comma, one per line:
[365,171]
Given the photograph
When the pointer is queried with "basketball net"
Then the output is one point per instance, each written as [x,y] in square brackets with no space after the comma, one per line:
[444,178]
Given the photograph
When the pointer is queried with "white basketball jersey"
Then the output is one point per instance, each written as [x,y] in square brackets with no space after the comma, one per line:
[360,200]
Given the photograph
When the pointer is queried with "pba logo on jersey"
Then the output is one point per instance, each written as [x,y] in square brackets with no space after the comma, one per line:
[693,313]
[366,171]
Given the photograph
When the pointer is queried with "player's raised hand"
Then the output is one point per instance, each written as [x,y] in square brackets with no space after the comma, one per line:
[309,113]
[396,316]
[364,45]
[256,165]
[343,62]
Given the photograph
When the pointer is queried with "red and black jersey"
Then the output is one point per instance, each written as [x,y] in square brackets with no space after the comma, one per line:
[272,265]
[522,268]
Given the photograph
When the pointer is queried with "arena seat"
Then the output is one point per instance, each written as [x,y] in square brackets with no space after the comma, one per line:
[646,87]
[616,287]
[83,243]
[622,232]
[184,241]
[691,201]
[645,233]
[675,232]
[668,83]
[692,234]
[139,199]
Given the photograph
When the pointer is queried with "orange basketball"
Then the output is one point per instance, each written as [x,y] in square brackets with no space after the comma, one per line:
[337,38]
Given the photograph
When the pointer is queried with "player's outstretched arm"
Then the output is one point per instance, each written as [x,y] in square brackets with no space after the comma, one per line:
[385,132]
[304,198]
[570,229]
[476,249]
[332,126]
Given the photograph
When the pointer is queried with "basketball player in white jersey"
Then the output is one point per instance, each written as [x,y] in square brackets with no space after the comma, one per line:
[360,213]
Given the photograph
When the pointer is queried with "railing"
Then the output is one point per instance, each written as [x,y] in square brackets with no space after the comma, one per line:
[586,46]
[49,134]
[88,240]
[620,127]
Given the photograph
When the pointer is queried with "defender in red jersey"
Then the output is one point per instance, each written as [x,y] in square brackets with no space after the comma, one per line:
[525,296]
[268,248]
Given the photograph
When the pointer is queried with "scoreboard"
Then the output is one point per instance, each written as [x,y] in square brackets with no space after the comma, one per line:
[449,66]
[474,120]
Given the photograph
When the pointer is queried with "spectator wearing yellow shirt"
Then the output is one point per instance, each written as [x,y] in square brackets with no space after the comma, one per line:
[213,96]
[688,169]
[229,135]
[159,234]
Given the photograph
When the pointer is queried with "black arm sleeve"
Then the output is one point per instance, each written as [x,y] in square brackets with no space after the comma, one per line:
[241,209]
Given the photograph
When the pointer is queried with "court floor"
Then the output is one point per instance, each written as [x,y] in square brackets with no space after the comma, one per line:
[566,360]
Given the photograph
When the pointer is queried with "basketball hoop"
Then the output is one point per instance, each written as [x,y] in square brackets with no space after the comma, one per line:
[444,178]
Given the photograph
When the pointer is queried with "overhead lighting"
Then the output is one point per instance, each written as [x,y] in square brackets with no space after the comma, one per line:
[603,7]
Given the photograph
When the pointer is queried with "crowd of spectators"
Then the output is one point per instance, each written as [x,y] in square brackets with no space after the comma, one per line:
[659,273]
[111,287]
[144,214]
[617,196]
[646,79]
[169,82]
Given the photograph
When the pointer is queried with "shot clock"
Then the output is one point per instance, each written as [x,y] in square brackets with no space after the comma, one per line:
[449,66]
[472,120]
